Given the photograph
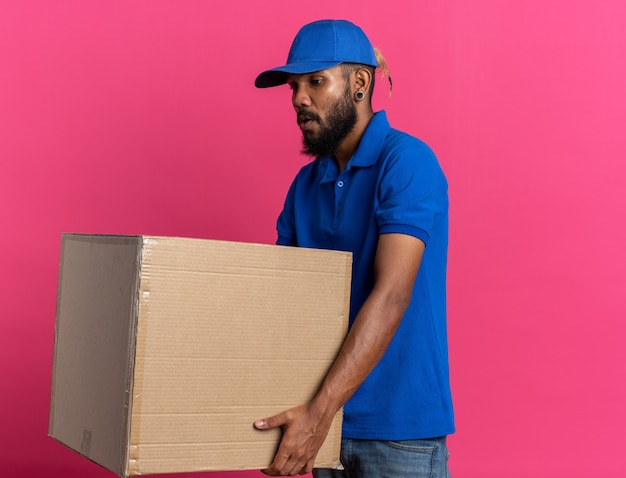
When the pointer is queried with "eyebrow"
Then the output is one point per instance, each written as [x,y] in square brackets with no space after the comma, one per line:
[291,76]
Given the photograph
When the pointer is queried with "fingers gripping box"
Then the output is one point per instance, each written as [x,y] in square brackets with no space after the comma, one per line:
[167,349]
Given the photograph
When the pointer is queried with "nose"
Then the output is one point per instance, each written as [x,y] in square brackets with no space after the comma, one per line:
[299,97]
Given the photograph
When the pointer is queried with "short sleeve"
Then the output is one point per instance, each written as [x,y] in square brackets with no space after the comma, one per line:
[286,224]
[413,191]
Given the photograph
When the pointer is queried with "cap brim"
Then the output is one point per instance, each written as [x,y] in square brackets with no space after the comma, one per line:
[278,76]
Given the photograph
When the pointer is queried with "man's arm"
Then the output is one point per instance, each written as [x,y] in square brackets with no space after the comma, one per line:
[397,261]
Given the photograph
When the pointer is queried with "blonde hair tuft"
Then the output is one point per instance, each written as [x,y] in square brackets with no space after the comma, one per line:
[382,67]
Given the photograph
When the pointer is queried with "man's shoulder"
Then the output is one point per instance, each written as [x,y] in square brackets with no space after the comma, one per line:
[411,156]
[401,139]
[401,148]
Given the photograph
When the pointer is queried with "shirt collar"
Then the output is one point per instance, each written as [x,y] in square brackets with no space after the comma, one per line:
[372,141]
[366,153]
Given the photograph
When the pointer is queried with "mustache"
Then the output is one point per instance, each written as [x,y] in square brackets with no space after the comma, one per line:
[304,115]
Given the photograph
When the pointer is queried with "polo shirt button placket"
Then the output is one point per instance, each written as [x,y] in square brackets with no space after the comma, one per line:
[338,202]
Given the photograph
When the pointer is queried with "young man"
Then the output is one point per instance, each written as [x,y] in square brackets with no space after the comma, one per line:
[380,194]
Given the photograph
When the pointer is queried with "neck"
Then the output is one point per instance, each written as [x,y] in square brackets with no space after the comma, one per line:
[351,142]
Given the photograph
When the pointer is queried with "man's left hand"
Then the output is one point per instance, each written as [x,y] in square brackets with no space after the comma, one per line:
[304,432]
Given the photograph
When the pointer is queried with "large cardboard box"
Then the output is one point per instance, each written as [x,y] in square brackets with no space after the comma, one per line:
[167,349]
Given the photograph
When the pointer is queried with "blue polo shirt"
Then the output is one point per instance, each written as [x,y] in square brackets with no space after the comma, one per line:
[392,184]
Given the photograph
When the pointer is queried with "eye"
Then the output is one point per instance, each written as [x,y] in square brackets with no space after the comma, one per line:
[316,81]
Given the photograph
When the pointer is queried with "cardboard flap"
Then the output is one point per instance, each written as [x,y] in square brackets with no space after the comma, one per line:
[94,346]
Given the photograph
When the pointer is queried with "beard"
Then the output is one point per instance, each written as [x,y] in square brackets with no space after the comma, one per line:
[340,120]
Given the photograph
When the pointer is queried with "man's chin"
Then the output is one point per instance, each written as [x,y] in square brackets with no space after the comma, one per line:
[308,149]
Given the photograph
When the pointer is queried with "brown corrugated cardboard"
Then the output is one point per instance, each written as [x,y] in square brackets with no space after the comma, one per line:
[167,349]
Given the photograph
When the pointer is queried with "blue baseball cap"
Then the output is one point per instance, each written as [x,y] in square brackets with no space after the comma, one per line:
[320,45]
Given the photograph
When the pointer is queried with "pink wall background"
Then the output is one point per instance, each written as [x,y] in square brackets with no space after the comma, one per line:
[140,117]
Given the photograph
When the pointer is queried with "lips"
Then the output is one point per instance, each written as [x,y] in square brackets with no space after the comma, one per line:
[305,123]
[306,120]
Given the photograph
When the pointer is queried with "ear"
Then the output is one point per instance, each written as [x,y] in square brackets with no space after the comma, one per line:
[362,80]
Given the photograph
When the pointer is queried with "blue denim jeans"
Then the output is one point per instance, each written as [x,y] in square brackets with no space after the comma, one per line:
[391,459]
